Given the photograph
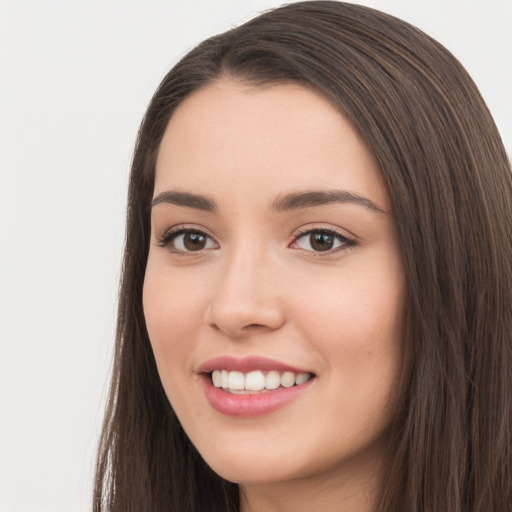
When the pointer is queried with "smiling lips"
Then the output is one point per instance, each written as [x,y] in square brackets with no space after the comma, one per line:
[251,386]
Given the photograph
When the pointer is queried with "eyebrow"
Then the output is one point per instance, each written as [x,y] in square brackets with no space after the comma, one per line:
[311,198]
[185,199]
[287,202]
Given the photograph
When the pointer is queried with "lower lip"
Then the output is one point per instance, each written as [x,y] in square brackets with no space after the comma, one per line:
[246,406]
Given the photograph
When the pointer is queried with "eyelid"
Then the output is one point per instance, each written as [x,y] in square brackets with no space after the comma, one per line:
[165,240]
[347,241]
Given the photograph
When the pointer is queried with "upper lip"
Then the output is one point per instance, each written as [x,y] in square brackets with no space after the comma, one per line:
[247,364]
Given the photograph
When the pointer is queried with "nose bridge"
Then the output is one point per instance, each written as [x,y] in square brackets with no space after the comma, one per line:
[245,295]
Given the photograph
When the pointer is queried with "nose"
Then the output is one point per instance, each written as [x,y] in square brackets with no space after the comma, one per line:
[246,296]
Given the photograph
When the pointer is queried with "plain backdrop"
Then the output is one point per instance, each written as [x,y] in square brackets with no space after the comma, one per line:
[75,78]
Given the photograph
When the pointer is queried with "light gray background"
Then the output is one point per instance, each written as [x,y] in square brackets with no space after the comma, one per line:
[75,78]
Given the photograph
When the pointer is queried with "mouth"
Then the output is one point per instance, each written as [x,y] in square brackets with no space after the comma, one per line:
[252,386]
[257,381]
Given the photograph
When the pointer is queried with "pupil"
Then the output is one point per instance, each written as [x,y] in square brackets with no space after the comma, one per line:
[321,241]
[194,241]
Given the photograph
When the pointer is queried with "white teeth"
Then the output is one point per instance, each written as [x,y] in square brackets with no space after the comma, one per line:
[256,380]
[272,380]
[224,379]
[236,380]
[288,379]
[301,378]
[217,379]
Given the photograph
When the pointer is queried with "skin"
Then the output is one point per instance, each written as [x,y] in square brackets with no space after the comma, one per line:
[258,288]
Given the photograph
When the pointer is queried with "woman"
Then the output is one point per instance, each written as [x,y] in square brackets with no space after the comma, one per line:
[316,301]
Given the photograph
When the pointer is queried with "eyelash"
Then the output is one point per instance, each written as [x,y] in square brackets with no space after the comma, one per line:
[345,242]
[167,239]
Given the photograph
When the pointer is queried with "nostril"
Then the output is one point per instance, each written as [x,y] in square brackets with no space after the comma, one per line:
[253,326]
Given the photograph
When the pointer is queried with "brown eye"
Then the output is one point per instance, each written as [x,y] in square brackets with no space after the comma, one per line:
[187,241]
[194,241]
[321,241]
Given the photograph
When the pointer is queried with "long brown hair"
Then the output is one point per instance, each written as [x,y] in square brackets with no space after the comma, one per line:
[451,189]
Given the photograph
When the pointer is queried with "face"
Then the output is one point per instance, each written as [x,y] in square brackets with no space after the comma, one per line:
[274,288]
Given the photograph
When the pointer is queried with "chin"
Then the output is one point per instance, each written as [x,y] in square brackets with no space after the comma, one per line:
[252,473]
[257,458]
[252,462]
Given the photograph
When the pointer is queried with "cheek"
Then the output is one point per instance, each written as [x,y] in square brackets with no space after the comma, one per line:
[357,308]
[174,310]
[355,322]
[359,335]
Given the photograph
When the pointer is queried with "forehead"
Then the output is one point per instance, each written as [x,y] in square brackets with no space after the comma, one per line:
[230,138]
